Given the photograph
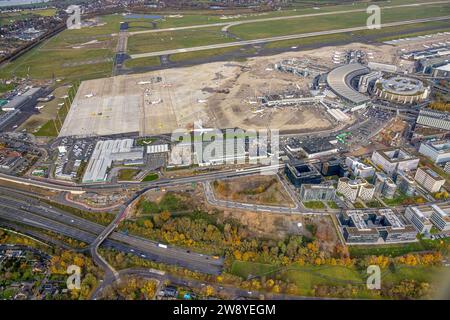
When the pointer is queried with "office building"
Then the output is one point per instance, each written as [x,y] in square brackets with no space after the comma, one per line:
[440,217]
[406,183]
[359,169]
[429,179]
[438,151]
[353,189]
[418,219]
[377,226]
[300,173]
[384,186]
[393,160]
[317,192]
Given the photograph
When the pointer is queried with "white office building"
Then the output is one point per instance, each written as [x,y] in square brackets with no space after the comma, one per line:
[429,179]
[393,160]
[353,189]
[438,151]
[418,219]
[359,168]
[440,218]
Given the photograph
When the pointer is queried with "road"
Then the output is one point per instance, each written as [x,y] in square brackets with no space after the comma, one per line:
[19,209]
[280,38]
[227,25]
[227,290]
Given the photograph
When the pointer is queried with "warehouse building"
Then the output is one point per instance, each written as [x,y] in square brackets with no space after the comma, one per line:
[429,179]
[313,148]
[438,151]
[394,159]
[107,152]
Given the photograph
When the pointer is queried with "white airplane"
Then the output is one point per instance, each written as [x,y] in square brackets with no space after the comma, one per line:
[90,95]
[144,82]
[202,101]
[39,107]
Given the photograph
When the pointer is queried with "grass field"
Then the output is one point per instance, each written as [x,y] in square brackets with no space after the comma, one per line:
[10,17]
[306,277]
[127,174]
[142,62]
[151,42]
[151,177]
[320,23]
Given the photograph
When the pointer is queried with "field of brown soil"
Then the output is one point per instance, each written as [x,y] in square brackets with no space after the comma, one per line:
[266,190]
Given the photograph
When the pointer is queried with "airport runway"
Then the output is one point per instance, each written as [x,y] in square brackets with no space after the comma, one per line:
[280,38]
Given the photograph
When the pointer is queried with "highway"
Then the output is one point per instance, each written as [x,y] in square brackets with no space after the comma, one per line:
[28,212]
[227,25]
[281,38]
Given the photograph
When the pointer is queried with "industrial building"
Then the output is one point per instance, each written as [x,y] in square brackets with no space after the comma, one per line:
[107,152]
[340,82]
[434,119]
[429,179]
[418,219]
[438,151]
[385,186]
[436,66]
[394,159]
[317,192]
[401,90]
[353,189]
[300,173]
[359,169]
[382,226]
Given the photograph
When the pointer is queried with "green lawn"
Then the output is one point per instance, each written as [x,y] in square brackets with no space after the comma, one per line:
[151,177]
[142,62]
[332,205]
[6,87]
[320,23]
[151,42]
[314,204]
[204,54]
[394,250]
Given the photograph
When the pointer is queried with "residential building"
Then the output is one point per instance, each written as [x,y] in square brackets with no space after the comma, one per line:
[317,192]
[429,179]
[438,151]
[418,219]
[353,189]
[395,159]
